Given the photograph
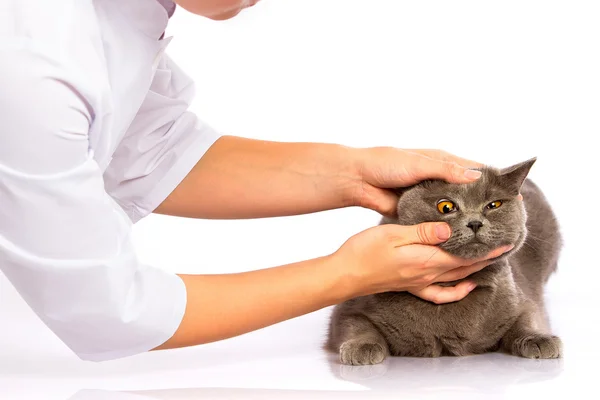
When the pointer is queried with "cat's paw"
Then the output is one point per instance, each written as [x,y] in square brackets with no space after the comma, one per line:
[354,352]
[538,346]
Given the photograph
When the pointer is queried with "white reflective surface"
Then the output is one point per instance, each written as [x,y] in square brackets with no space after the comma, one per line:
[286,362]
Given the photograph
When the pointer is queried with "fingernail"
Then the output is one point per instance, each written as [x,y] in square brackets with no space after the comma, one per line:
[471,286]
[442,231]
[472,174]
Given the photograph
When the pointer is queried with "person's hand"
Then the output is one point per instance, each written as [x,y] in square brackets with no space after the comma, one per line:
[404,258]
[384,168]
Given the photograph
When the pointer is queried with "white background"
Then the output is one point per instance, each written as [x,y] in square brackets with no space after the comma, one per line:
[498,82]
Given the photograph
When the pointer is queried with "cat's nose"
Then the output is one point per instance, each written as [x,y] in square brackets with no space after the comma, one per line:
[475,225]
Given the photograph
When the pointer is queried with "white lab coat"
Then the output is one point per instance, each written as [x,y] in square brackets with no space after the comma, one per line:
[94,135]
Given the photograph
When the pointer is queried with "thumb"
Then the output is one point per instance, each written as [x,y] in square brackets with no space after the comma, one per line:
[427,233]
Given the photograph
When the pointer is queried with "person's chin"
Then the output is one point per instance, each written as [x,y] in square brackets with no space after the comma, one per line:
[232,13]
[225,15]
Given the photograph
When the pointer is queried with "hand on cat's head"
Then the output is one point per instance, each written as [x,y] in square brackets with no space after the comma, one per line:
[483,215]
[383,169]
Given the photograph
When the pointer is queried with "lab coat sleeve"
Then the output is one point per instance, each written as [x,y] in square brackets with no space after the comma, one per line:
[161,146]
[65,244]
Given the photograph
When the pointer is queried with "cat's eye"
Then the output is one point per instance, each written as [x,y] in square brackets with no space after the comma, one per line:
[494,204]
[446,206]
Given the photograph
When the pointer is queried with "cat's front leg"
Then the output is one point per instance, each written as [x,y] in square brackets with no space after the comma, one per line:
[524,339]
[363,350]
[358,341]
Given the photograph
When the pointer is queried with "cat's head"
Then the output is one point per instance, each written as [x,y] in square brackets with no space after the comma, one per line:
[483,215]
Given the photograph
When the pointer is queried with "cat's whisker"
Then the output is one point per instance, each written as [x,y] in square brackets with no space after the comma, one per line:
[530,246]
[530,236]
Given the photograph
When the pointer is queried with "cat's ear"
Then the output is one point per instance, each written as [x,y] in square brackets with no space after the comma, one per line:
[514,176]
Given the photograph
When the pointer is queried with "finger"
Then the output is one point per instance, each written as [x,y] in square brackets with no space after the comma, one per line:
[383,201]
[464,162]
[427,233]
[441,294]
[424,167]
[462,272]
[458,261]
[445,156]
[435,257]
[520,197]
[497,252]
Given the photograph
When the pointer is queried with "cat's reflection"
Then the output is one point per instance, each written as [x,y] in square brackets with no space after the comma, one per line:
[480,376]
[476,377]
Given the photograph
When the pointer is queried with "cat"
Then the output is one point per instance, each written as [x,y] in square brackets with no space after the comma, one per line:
[504,312]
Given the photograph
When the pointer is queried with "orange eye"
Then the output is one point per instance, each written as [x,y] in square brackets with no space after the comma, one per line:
[446,206]
[494,204]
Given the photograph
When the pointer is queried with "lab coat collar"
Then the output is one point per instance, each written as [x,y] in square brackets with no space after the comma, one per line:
[148,16]
[169,5]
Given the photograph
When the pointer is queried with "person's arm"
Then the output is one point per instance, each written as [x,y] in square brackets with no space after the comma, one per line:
[227,305]
[383,258]
[248,178]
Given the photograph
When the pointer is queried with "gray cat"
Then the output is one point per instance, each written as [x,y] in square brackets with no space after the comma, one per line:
[505,312]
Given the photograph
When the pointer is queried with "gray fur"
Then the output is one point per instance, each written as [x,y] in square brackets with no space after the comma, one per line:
[505,312]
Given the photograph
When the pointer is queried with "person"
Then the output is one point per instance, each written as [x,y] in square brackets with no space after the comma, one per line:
[96,134]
